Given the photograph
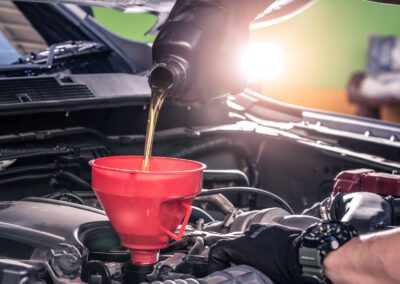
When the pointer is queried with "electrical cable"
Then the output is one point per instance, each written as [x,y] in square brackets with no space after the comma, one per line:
[62,195]
[198,213]
[220,201]
[74,179]
[282,203]
[209,146]
[38,168]
[26,178]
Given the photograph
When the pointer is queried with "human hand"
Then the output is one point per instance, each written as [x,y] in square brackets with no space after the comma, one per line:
[270,248]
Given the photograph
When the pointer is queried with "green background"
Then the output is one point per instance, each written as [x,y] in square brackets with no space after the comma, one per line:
[132,26]
[322,46]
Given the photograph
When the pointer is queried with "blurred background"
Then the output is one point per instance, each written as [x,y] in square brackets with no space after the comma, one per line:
[311,57]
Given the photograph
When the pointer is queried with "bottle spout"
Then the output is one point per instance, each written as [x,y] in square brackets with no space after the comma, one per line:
[161,77]
[170,76]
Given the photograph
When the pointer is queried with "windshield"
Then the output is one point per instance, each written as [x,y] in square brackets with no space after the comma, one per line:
[8,53]
[17,35]
[40,38]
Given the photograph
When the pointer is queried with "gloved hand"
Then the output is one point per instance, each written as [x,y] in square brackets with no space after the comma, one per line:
[240,274]
[270,248]
[367,212]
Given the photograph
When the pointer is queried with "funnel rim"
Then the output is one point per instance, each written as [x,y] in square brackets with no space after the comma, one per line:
[201,168]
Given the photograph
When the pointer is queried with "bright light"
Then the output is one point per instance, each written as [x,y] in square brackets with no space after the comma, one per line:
[262,62]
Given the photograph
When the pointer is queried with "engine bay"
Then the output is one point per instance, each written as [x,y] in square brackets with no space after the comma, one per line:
[55,231]
[59,240]
[266,163]
[73,101]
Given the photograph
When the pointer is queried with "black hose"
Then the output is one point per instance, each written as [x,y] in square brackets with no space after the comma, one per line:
[71,196]
[197,247]
[74,179]
[33,177]
[198,213]
[25,178]
[226,176]
[226,144]
[282,203]
[28,169]
[37,168]
[220,201]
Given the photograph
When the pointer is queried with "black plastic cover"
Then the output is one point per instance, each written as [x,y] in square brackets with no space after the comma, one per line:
[24,95]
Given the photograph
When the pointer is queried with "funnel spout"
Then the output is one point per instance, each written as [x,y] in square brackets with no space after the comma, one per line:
[144,257]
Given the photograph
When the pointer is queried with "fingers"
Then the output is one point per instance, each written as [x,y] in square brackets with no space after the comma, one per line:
[270,229]
[219,257]
[259,228]
[256,248]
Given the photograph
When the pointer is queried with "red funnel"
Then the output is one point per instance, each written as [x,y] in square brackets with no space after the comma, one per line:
[145,208]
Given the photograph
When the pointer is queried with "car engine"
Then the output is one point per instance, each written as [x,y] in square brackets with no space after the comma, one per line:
[61,239]
[84,95]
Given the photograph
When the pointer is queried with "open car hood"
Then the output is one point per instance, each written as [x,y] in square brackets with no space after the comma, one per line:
[152,6]
[275,12]
[160,8]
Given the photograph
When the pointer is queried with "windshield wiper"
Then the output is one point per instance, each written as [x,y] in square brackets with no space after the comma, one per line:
[48,58]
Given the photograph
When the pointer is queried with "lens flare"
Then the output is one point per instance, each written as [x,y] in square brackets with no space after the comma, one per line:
[262,62]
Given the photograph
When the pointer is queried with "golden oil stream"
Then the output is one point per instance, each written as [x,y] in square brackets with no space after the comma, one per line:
[158,96]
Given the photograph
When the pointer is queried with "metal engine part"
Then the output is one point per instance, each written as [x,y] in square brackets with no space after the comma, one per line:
[367,180]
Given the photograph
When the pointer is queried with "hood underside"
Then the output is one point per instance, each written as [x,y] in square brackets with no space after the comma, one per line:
[160,8]
[276,11]
[152,6]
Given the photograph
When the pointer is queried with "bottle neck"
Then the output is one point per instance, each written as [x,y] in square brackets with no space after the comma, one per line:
[170,75]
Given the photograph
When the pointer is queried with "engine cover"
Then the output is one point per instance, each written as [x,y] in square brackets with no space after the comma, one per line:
[44,234]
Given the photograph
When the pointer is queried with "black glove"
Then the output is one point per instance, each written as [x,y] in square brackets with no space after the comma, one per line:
[367,212]
[241,274]
[270,248]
